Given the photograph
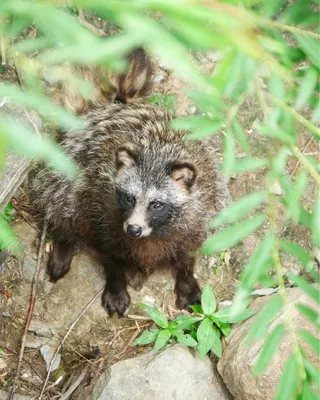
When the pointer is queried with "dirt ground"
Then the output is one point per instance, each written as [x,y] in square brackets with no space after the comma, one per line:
[97,340]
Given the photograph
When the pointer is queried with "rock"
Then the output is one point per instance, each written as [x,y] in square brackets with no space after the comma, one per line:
[237,360]
[174,374]
[35,342]
[5,395]
[40,328]
[47,353]
[276,189]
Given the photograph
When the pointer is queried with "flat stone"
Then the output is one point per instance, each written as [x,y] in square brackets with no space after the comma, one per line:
[237,361]
[177,373]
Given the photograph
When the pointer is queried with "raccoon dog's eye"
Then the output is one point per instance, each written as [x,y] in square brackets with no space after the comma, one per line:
[130,200]
[157,205]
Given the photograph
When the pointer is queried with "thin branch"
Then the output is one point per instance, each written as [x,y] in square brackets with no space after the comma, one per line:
[75,384]
[282,289]
[30,312]
[306,163]
[65,338]
[288,28]
[298,117]
[298,161]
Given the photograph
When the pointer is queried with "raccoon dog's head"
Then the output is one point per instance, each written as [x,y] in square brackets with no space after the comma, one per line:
[151,189]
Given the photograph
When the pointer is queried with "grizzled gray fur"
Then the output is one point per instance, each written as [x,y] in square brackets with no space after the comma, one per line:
[143,198]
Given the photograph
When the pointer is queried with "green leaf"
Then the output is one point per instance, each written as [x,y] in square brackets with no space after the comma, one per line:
[311,47]
[225,315]
[147,337]
[259,262]
[289,380]
[240,135]
[158,317]
[20,138]
[232,235]
[296,251]
[40,103]
[316,222]
[239,208]
[263,319]
[306,88]
[206,336]
[216,347]
[208,300]
[228,154]
[308,393]
[303,284]
[274,131]
[279,162]
[312,341]
[225,328]
[197,308]
[8,239]
[187,340]
[310,313]
[293,199]
[162,339]
[312,373]
[246,164]
[185,321]
[270,347]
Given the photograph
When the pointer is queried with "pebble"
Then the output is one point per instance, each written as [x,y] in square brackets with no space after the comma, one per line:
[47,353]
[40,328]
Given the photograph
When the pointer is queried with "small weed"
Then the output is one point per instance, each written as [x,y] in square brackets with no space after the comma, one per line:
[7,214]
[166,101]
[203,329]
[7,236]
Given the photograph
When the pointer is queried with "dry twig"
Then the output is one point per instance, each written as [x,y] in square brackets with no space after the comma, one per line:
[75,384]
[30,312]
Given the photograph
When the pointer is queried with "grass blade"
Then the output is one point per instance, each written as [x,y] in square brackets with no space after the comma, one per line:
[270,347]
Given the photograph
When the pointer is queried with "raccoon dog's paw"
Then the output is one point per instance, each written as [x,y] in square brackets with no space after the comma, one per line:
[188,294]
[60,260]
[116,302]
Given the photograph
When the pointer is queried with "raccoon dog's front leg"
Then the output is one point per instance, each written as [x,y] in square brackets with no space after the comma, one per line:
[115,297]
[60,259]
[186,288]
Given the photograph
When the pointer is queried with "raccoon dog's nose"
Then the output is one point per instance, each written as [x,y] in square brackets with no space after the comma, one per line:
[134,230]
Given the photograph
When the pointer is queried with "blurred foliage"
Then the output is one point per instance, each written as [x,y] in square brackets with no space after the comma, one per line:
[269,51]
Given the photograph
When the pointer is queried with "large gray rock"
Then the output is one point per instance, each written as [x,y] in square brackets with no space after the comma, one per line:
[237,360]
[174,374]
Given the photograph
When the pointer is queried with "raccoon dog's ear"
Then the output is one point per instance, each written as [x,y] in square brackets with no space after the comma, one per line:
[183,173]
[126,155]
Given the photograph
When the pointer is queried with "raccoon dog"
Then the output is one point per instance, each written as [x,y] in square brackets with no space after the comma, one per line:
[143,196]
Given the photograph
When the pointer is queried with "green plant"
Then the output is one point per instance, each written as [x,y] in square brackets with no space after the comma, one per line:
[270,56]
[8,239]
[203,329]
[166,101]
